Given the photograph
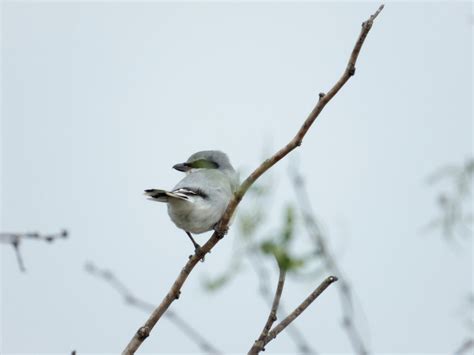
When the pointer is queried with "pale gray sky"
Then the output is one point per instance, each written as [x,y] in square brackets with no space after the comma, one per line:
[99,100]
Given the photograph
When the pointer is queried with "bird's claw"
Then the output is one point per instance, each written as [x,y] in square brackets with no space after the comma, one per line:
[221,231]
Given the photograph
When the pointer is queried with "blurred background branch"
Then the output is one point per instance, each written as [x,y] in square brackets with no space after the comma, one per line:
[454,199]
[467,315]
[454,220]
[16,239]
[465,347]
[330,262]
[130,299]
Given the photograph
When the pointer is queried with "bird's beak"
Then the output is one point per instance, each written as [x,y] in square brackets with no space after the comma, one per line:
[181,167]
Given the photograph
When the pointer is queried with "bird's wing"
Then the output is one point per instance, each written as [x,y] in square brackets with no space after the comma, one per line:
[182,194]
[163,195]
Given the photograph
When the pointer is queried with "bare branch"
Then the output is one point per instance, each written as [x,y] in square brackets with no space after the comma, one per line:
[272,316]
[131,299]
[223,225]
[264,290]
[15,239]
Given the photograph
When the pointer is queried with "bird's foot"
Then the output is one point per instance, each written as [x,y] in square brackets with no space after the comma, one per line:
[198,251]
[197,248]
[221,231]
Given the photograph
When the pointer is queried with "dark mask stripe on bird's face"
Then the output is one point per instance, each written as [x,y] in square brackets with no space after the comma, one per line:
[203,164]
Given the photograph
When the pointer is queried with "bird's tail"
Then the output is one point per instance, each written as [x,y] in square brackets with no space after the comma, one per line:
[163,195]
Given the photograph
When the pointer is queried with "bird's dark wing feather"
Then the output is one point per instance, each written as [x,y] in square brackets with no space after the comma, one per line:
[182,193]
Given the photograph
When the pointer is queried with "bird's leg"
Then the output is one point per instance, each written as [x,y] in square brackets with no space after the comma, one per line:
[196,245]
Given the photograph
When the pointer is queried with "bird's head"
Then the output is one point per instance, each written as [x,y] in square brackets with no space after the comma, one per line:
[206,159]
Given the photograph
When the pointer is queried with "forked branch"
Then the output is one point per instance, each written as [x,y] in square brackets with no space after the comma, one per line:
[263,340]
[264,289]
[143,332]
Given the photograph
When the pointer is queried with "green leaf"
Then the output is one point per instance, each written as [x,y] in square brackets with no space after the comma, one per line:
[218,282]
[283,258]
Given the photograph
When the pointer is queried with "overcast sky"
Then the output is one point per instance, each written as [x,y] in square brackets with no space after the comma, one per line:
[100,100]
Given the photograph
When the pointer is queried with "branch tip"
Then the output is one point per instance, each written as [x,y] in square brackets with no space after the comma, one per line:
[377,12]
[368,24]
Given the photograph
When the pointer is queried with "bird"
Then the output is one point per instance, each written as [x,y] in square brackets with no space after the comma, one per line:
[197,202]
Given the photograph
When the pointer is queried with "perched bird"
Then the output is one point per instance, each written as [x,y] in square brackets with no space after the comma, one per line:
[197,203]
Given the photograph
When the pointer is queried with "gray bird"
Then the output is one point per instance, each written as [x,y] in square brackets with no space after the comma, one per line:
[197,203]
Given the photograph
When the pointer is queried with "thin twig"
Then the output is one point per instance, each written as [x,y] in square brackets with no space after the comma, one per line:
[15,239]
[132,300]
[19,258]
[143,332]
[330,262]
[6,237]
[272,316]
